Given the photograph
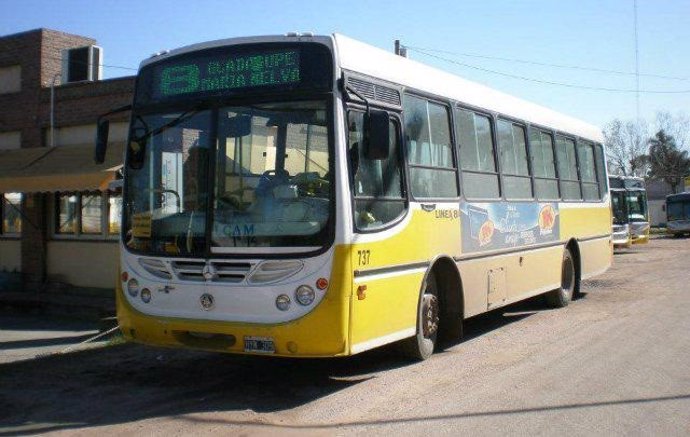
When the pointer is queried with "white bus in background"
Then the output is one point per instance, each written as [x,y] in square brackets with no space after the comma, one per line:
[629,210]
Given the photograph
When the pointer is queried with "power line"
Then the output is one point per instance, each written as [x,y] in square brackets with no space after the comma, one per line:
[55,58]
[548,82]
[546,64]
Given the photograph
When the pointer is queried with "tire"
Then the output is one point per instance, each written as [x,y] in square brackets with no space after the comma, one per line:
[421,346]
[560,297]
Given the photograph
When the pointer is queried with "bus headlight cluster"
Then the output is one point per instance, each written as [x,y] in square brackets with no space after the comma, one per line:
[133,287]
[146,295]
[283,302]
[304,295]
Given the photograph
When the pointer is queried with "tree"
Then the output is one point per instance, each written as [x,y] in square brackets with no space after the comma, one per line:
[666,161]
[677,126]
[626,147]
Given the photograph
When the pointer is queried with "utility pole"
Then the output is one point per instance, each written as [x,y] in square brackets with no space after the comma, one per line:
[637,66]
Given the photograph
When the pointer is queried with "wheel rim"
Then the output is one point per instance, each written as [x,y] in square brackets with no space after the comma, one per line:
[430,316]
[568,277]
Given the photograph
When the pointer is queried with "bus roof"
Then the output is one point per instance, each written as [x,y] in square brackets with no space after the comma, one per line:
[359,57]
[679,196]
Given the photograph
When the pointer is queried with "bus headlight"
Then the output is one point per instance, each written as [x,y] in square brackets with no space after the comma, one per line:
[283,302]
[133,287]
[304,295]
[146,295]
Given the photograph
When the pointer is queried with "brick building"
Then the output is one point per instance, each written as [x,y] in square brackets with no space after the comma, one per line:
[59,218]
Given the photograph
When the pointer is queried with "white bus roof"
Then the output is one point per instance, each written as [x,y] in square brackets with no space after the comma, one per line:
[360,57]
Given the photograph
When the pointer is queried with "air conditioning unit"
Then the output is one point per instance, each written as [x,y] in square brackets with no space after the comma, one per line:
[82,64]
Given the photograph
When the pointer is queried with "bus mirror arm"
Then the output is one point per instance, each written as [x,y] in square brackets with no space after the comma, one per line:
[102,129]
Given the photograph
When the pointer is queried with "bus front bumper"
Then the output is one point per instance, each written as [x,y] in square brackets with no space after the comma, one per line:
[320,333]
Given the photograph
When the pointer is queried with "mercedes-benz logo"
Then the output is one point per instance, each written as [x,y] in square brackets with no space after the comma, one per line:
[208,272]
[206,301]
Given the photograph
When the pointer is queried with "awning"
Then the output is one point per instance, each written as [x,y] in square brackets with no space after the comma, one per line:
[62,168]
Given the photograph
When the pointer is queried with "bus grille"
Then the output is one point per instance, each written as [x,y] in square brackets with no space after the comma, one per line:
[217,271]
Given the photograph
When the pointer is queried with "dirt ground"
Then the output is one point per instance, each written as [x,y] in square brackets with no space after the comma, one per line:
[615,362]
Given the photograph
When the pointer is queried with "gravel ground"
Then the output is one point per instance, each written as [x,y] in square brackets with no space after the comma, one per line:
[616,362]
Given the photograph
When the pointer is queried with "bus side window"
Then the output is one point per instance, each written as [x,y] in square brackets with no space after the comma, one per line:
[376,184]
[543,165]
[429,150]
[567,168]
[601,170]
[516,177]
[477,155]
[590,189]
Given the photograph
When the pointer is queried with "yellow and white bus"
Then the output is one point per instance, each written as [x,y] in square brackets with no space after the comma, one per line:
[313,196]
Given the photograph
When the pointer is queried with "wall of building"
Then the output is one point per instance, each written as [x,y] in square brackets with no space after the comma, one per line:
[10,255]
[32,63]
[657,215]
[83,263]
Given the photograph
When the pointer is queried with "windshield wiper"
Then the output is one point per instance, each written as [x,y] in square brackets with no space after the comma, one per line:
[172,123]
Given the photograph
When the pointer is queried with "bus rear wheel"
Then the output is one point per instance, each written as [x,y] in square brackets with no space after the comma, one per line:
[421,346]
[561,296]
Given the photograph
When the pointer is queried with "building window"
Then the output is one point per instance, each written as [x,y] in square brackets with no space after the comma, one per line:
[10,79]
[88,214]
[10,207]
[67,210]
[10,140]
[114,213]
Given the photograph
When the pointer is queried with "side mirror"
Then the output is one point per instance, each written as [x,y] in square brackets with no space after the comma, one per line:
[377,134]
[238,126]
[101,140]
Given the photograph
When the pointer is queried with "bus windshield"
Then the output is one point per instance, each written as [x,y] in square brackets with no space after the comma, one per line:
[678,210]
[271,186]
[618,207]
[637,206]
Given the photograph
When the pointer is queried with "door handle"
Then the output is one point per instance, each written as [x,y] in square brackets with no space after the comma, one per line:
[428,207]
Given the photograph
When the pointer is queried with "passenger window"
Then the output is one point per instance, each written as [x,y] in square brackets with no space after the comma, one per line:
[376,184]
[601,170]
[543,165]
[479,176]
[517,183]
[567,168]
[585,152]
[429,149]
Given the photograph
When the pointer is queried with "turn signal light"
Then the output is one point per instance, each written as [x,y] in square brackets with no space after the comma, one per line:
[361,292]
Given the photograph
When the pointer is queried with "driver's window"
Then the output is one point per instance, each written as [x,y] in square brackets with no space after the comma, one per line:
[376,184]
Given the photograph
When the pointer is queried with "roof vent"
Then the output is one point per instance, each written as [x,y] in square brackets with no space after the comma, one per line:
[82,64]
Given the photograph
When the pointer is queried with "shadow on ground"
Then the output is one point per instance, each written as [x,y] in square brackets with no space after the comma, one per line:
[128,382]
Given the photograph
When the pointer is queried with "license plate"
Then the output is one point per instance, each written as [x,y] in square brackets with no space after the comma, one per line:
[262,345]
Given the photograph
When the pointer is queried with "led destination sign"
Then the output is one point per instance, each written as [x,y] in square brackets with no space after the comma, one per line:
[229,72]
[237,70]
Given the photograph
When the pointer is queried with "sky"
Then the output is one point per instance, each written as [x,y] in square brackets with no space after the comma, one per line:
[464,37]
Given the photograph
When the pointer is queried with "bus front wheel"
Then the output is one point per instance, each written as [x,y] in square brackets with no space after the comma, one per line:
[421,346]
[561,296]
